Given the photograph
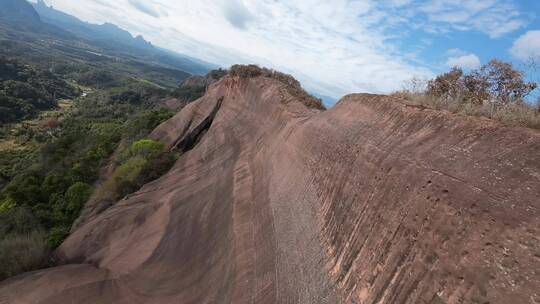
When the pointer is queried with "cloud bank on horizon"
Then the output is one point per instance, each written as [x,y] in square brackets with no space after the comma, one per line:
[333,47]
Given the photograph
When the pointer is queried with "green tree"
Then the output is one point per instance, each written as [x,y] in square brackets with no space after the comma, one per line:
[76,196]
[146,148]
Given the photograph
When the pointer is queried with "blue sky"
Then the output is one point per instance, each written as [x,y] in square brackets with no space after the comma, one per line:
[333,47]
[435,48]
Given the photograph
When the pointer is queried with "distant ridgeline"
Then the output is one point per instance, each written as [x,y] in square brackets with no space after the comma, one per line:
[49,55]
[105,32]
[108,35]
[19,12]
[37,32]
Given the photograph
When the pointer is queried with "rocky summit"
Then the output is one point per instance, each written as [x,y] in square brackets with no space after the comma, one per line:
[277,201]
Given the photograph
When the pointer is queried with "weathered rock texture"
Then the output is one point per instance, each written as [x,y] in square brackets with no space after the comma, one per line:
[370,202]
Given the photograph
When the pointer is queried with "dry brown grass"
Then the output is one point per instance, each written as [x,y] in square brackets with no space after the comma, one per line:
[10,145]
[22,252]
[512,114]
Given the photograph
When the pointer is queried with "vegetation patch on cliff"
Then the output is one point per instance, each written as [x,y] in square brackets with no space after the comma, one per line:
[293,86]
[497,90]
[145,160]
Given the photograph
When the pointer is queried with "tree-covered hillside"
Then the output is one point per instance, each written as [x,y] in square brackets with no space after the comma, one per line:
[76,47]
[115,39]
[49,164]
[25,90]
[69,108]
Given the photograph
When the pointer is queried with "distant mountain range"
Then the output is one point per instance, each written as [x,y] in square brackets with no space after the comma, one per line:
[40,18]
[104,33]
[16,11]
[111,36]
[19,15]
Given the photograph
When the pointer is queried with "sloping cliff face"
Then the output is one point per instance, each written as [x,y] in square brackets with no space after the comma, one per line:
[371,201]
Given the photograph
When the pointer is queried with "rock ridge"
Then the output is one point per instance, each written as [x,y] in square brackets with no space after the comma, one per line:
[275,201]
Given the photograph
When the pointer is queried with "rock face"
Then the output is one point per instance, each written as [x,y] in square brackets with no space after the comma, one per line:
[369,202]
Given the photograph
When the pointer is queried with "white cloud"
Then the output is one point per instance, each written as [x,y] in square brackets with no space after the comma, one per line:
[397,3]
[492,17]
[466,62]
[144,7]
[332,47]
[456,52]
[527,46]
[237,13]
[343,45]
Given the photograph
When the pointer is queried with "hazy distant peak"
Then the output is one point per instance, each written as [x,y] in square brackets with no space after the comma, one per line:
[18,11]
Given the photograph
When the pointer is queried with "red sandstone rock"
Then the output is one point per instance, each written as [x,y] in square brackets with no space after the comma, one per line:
[370,202]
